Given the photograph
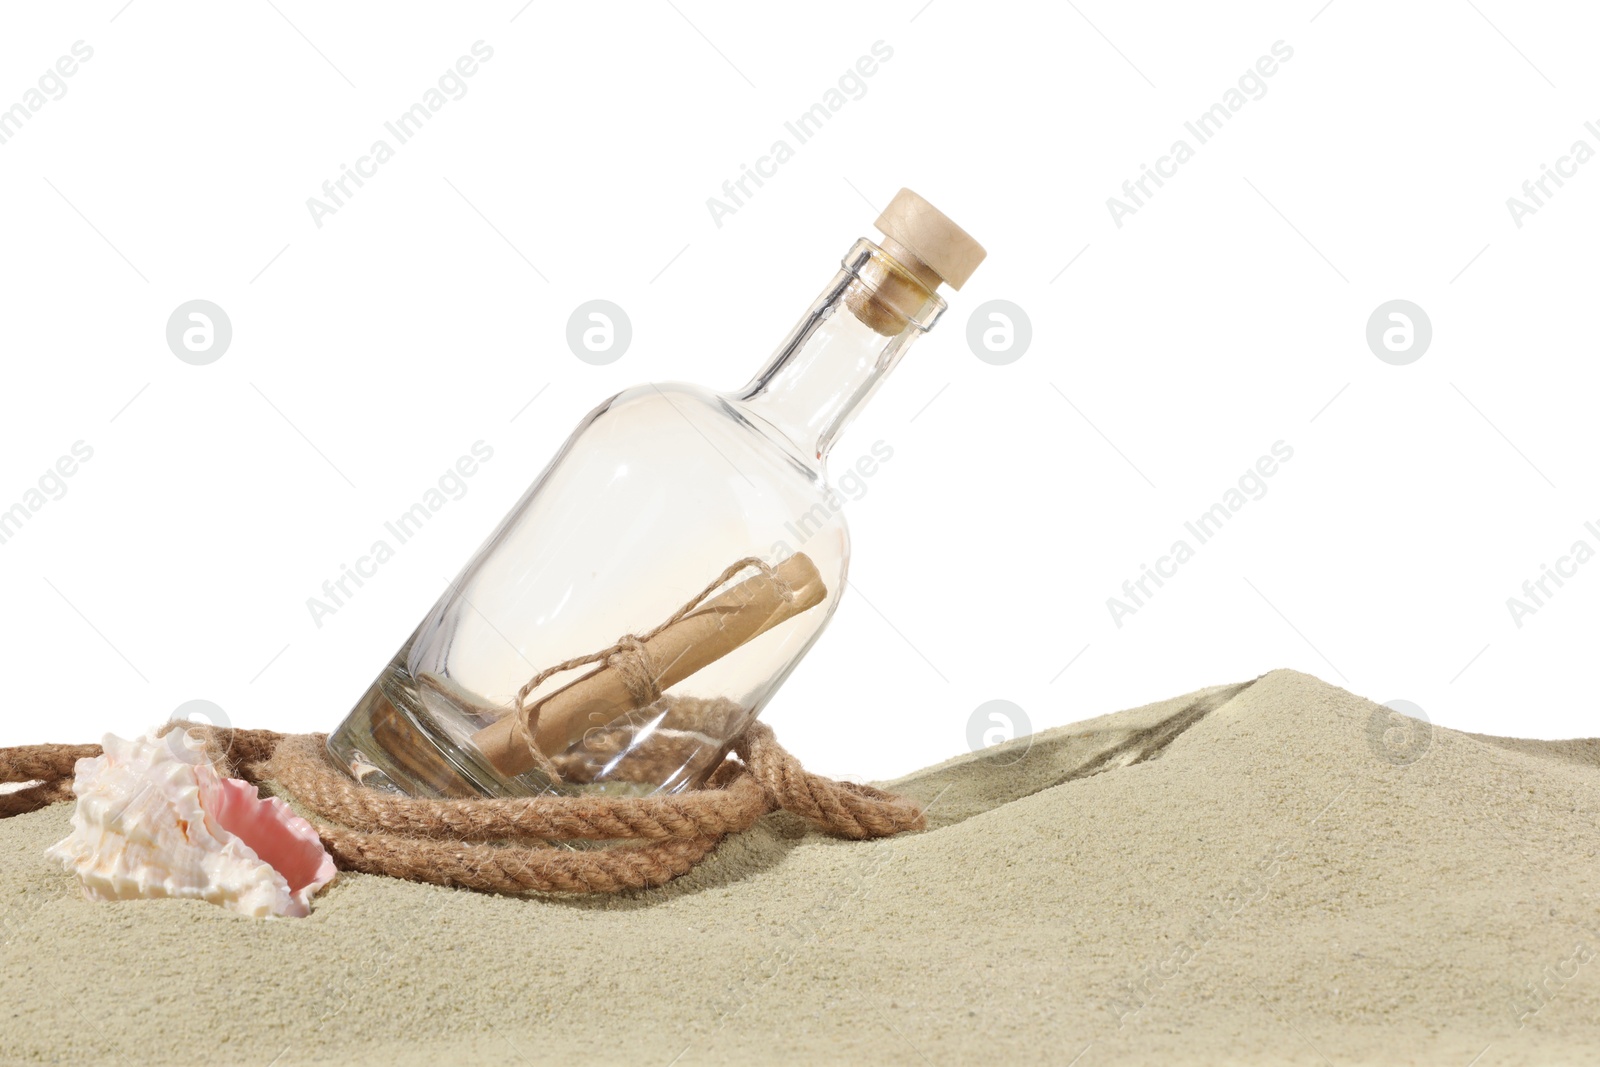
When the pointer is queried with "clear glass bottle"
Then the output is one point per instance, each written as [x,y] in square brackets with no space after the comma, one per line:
[663,492]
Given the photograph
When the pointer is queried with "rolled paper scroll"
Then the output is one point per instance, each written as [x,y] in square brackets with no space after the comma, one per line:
[725,622]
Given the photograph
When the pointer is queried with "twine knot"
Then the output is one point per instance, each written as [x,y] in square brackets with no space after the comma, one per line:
[631,660]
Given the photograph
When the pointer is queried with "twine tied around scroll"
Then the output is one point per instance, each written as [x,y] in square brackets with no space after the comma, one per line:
[503,845]
[636,670]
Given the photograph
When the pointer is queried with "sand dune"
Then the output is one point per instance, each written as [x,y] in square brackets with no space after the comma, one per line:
[1273,872]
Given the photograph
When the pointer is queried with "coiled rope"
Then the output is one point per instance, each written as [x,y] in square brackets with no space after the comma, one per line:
[505,845]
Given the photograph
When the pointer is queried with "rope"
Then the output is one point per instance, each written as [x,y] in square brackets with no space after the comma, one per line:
[504,844]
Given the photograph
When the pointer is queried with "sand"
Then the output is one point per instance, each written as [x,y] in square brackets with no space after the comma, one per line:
[1253,874]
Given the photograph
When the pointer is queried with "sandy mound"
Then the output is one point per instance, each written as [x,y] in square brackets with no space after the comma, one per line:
[1278,872]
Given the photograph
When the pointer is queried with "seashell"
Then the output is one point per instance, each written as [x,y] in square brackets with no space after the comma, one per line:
[155,819]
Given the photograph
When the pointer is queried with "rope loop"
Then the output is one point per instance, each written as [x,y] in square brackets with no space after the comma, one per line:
[508,845]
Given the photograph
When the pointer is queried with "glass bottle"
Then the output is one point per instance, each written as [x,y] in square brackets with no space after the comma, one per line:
[658,582]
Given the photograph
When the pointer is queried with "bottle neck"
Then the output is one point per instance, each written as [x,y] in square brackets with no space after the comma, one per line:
[841,351]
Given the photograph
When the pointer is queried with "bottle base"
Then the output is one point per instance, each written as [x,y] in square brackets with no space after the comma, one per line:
[387,742]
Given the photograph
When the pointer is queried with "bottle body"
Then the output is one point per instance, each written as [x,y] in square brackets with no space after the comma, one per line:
[657,492]
[696,526]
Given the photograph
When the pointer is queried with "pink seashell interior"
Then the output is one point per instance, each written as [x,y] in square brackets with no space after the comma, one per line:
[278,837]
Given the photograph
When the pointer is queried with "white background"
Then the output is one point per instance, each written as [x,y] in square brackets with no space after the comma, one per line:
[1227,314]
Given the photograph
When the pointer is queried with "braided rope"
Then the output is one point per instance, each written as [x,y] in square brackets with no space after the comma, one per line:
[503,845]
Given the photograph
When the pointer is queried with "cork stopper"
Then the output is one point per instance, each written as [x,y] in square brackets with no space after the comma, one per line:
[924,250]
[925,235]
